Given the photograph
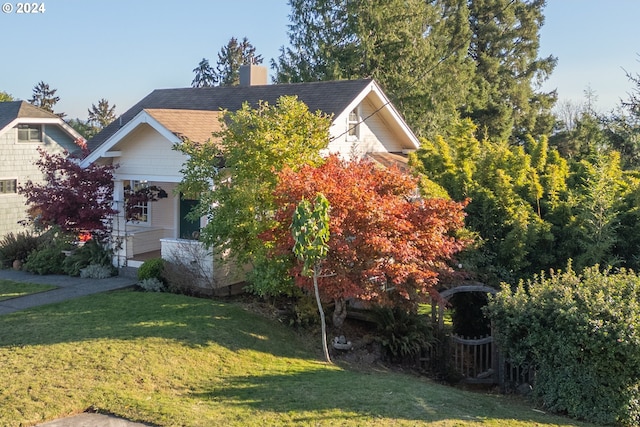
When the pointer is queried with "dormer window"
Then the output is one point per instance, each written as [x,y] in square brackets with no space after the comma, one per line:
[353,125]
[29,133]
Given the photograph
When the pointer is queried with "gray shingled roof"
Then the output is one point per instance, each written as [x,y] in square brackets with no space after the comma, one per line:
[329,97]
[9,111]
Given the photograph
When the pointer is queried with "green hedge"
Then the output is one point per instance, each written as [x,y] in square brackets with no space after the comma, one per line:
[582,332]
[46,261]
[151,269]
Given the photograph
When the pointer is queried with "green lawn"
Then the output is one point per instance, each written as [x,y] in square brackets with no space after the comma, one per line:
[10,289]
[177,361]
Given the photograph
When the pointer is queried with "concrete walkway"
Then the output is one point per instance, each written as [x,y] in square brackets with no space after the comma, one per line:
[67,288]
[91,420]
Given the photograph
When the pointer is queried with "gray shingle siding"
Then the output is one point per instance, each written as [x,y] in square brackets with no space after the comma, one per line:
[54,134]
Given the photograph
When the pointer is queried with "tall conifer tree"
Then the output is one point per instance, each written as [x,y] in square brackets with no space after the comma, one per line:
[44,97]
[416,50]
[505,43]
[234,54]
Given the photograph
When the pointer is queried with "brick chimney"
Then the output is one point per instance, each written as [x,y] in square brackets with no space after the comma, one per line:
[253,75]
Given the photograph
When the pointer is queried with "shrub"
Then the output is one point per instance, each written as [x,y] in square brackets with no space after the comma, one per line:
[182,278]
[582,332]
[403,334]
[92,252]
[151,285]
[97,271]
[151,269]
[17,247]
[46,261]
[305,312]
[270,277]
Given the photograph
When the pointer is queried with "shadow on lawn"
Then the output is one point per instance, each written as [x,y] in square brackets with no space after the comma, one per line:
[337,396]
[128,315]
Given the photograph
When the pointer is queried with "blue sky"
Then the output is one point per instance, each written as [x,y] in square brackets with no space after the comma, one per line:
[122,49]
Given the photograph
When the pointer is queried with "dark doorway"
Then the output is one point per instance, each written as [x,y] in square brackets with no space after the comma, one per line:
[189,229]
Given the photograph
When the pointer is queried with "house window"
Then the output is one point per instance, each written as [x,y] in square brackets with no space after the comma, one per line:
[353,125]
[8,186]
[29,133]
[140,211]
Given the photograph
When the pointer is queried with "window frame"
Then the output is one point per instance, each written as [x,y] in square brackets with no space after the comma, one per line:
[8,186]
[145,207]
[353,124]
[30,127]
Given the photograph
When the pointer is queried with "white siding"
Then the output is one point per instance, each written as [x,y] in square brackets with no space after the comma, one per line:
[374,135]
[146,153]
[164,211]
[214,271]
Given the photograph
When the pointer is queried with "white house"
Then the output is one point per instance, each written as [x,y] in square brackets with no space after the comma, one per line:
[23,129]
[141,142]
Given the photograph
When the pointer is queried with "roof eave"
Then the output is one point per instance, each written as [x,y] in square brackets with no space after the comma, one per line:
[383,103]
[143,117]
[45,121]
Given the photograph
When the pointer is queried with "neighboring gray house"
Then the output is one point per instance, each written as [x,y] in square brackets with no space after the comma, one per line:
[141,140]
[24,128]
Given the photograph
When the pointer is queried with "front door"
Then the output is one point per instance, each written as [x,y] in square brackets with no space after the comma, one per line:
[189,229]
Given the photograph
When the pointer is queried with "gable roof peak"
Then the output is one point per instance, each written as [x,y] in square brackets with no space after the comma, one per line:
[12,110]
[31,111]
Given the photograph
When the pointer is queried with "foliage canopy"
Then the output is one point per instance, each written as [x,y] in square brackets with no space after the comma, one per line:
[436,60]
[386,245]
[582,333]
[234,174]
[71,197]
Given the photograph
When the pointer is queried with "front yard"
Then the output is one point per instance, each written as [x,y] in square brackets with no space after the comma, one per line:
[10,289]
[173,360]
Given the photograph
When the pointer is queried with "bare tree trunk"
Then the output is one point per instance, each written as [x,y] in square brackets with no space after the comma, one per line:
[339,312]
[322,320]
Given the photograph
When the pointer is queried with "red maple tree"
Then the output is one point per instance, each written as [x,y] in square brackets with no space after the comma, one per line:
[387,245]
[73,198]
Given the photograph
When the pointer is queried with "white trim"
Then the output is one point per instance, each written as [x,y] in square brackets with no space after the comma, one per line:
[146,206]
[143,117]
[380,100]
[46,121]
[355,124]
[152,178]
[29,141]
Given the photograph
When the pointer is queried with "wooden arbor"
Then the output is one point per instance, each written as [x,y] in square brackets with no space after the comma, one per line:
[476,359]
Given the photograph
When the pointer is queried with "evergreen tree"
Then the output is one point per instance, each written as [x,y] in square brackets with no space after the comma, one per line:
[102,115]
[45,98]
[205,75]
[323,42]
[435,59]
[599,191]
[622,127]
[416,50]
[504,46]
[515,192]
[231,57]
[84,128]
